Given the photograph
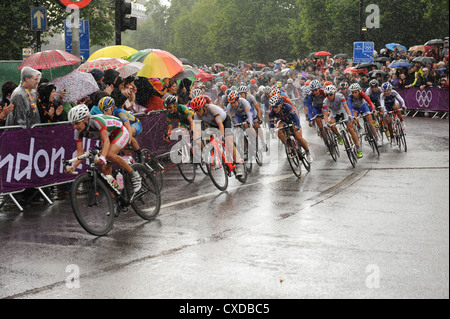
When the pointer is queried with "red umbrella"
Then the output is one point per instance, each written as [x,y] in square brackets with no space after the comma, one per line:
[204,76]
[49,59]
[103,64]
[354,70]
[322,53]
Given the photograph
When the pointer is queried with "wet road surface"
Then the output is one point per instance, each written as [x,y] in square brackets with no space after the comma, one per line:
[378,231]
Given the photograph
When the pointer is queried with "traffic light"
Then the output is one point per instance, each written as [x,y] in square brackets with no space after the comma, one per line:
[123,22]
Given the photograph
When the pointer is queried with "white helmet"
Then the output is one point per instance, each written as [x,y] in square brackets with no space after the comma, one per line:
[330,89]
[355,87]
[78,113]
[242,89]
[196,92]
[315,84]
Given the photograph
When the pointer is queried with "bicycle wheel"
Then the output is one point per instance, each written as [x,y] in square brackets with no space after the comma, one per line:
[349,148]
[259,152]
[216,168]
[401,136]
[247,158]
[332,145]
[243,177]
[92,205]
[306,164]
[147,202]
[371,137]
[187,166]
[293,157]
[154,165]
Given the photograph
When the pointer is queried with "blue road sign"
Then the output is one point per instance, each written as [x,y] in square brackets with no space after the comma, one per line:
[38,19]
[363,52]
[84,39]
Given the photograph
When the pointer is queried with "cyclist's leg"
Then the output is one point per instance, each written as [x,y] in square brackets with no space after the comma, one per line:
[281,134]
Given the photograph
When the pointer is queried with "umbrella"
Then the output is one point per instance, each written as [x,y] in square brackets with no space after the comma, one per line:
[159,64]
[219,65]
[102,64]
[322,53]
[130,69]
[312,55]
[236,70]
[381,59]
[267,69]
[49,59]
[77,85]
[354,70]
[399,64]
[434,42]
[187,73]
[365,65]
[392,46]
[341,56]
[417,48]
[374,73]
[204,76]
[280,61]
[186,61]
[425,60]
[115,51]
[287,72]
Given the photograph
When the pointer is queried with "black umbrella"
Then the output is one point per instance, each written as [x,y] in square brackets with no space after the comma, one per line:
[341,56]
[434,42]
[425,60]
[365,65]
[374,73]
[381,59]
[267,69]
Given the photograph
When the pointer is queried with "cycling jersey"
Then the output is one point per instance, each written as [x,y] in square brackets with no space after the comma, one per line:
[214,116]
[243,111]
[361,104]
[181,114]
[251,99]
[374,96]
[265,102]
[315,104]
[387,102]
[118,134]
[126,116]
[336,106]
[287,115]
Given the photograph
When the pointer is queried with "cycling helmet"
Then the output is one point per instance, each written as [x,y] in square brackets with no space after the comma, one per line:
[223,88]
[373,82]
[330,89]
[196,92]
[290,81]
[386,86]
[275,100]
[315,84]
[233,97]
[262,89]
[343,85]
[106,103]
[307,83]
[327,83]
[355,87]
[242,89]
[233,88]
[279,84]
[198,102]
[78,113]
[306,90]
[170,100]
[274,91]
[267,90]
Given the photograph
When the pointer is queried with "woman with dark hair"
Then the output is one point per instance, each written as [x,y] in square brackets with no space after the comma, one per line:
[50,111]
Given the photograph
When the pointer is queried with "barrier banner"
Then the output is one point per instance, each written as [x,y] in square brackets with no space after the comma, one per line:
[432,99]
[33,157]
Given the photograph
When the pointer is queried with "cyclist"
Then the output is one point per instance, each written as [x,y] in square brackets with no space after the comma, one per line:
[305,92]
[374,92]
[243,92]
[113,135]
[181,112]
[343,89]
[359,102]
[287,115]
[216,117]
[334,108]
[315,106]
[390,100]
[134,126]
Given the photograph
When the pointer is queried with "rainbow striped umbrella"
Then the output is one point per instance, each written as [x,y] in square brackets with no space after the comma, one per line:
[157,64]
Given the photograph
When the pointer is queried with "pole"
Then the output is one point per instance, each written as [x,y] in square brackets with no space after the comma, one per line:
[76,36]
[361,36]
[118,23]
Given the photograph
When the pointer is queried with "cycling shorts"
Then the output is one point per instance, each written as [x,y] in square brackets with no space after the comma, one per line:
[121,139]
[364,109]
[340,116]
[317,110]
[138,127]
[240,119]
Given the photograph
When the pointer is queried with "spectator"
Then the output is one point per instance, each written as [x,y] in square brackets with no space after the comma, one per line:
[443,83]
[50,111]
[25,111]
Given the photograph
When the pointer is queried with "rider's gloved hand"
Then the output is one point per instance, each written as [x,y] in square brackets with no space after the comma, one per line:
[102,160]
